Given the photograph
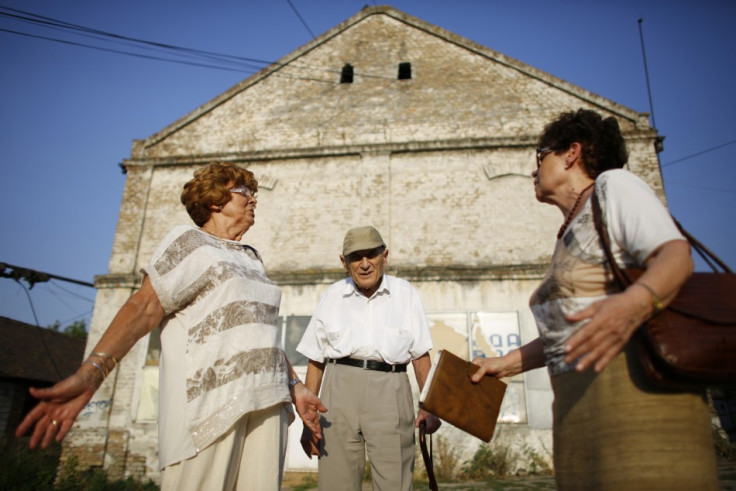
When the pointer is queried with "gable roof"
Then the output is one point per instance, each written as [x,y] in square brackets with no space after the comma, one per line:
[37,354]
[298,101]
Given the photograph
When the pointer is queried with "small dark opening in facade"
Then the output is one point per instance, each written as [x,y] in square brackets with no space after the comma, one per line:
[346,77]
[405,71]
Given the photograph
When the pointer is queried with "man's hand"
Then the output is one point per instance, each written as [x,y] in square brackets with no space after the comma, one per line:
[310,444]
[433,422]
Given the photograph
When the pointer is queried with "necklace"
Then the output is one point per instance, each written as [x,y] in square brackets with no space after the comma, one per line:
[572,211]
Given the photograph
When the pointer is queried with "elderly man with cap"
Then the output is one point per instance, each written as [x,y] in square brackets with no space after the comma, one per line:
[366,329]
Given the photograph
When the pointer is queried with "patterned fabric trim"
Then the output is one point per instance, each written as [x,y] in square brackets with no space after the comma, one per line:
[232,315]
[244,363]
[190,241]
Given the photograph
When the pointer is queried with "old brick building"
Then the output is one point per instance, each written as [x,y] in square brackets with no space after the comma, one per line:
[382,120]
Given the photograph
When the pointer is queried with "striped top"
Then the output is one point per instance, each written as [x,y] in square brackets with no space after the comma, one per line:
[223,357]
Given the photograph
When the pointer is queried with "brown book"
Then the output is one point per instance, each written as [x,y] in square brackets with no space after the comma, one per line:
[450,395]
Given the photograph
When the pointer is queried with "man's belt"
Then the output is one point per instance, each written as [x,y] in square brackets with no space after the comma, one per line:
[379,366]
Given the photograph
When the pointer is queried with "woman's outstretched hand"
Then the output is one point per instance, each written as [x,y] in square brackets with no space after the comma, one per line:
[308,406]
[53,416]
[494,367]
[516,361]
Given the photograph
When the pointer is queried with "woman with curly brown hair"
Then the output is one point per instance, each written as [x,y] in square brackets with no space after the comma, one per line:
[611,429]
[226,387]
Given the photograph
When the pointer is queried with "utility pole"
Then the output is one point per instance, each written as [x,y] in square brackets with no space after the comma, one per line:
[31,276]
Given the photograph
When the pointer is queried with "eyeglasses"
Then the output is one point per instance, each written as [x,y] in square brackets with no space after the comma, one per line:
[244,191]
[542,153]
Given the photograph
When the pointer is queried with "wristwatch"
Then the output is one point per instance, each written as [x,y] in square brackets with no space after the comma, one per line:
[293,382]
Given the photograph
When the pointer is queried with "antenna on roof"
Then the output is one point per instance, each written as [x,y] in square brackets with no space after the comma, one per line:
[646,72]
[659,142]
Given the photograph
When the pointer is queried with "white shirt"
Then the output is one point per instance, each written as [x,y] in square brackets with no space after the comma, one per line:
[389,326]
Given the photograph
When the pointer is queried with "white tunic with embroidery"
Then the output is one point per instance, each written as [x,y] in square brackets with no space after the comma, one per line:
[220,357]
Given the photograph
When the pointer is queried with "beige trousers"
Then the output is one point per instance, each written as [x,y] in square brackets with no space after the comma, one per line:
[369,412]
[248,457]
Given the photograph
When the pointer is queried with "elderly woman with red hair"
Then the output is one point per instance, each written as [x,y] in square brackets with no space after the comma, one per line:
[226,386]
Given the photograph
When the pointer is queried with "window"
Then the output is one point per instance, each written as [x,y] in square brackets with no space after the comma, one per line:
[293,327]
[346,77]
[405,71]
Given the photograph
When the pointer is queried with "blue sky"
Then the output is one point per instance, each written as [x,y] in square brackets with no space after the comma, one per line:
[70,114]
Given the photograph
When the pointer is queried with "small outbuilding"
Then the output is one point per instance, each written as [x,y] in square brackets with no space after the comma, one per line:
[31,356]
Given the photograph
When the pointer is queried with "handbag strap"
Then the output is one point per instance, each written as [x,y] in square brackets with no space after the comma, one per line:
[622,279]
[705,253]
[427,455]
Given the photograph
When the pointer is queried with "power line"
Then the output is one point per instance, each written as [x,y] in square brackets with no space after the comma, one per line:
[700,153]
[76,318]
[30,301]
[221,61]
[70,293]
[157,58]
[40,332]
[646,72]
[101,35]
[110,50]
[49,22]
[301,18]
[705,188]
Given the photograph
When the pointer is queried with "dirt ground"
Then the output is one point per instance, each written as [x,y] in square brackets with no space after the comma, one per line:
[304,481]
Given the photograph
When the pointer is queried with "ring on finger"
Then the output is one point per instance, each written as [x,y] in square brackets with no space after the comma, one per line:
[54,423]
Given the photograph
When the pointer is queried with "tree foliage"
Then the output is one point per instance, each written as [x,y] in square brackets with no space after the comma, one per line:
[77,329]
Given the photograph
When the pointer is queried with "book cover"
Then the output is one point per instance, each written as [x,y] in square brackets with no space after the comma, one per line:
[450,395]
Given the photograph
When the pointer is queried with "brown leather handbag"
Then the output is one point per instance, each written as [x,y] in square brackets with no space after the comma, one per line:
[691,343]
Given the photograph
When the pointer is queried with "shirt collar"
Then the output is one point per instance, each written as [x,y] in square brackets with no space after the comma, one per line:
[350,288]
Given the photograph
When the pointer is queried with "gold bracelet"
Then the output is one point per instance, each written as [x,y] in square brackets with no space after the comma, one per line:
[656,301]
[103,358]
[105,355]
